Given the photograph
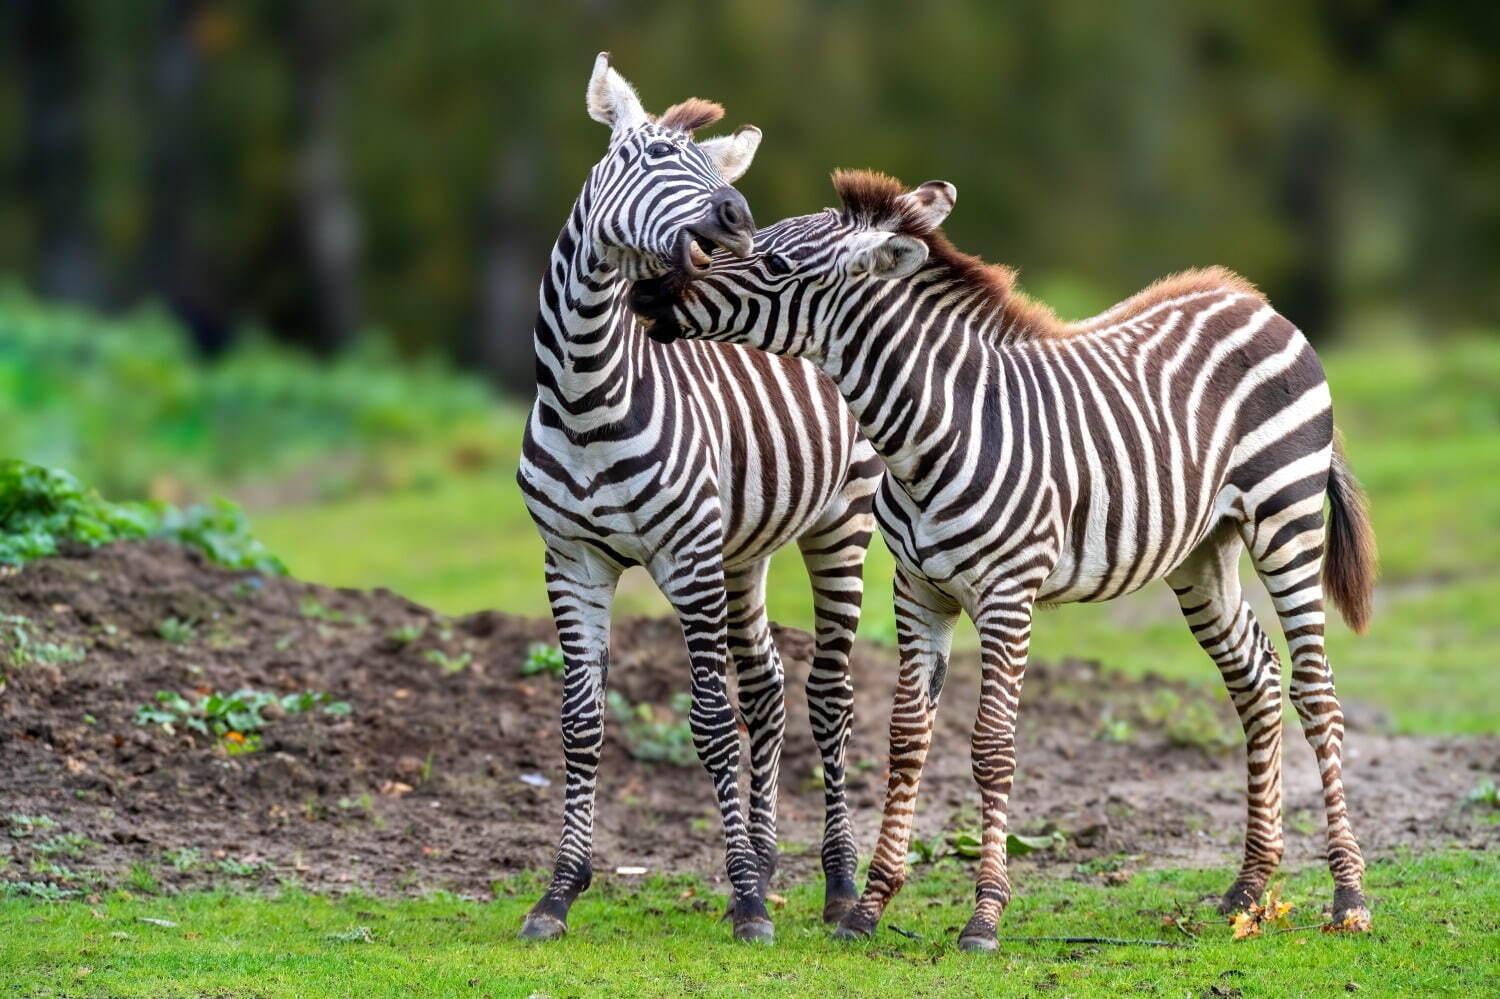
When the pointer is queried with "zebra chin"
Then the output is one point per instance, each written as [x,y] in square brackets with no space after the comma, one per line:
[654,300]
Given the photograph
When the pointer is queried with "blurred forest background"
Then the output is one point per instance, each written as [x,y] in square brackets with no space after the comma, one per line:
[321,169]
[289,251]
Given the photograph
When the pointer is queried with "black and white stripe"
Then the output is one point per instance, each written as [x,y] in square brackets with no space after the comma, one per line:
[1033,461]
[696,464]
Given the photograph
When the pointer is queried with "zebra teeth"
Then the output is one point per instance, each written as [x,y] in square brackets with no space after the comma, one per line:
[699,256]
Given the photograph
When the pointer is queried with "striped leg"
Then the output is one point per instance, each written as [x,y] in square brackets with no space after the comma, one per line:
[1004,639]
[834,553]
[762,695]
[696,591]
[581,591]
[924,629]
[1207,585]
[1290,568]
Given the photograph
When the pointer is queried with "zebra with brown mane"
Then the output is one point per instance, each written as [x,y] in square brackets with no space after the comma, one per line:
[1034,462]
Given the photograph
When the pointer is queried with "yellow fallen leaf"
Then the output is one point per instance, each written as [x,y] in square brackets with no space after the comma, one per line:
[1245,923]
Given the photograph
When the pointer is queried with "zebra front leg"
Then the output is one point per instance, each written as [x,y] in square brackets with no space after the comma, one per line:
[834,555]
[696,592]
[581,591]
[762,694]
[1207,585]
[924,629]
[1004,639]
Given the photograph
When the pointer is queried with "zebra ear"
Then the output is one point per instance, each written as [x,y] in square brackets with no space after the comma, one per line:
[890,258]
[931,202]
[732,153]
[612,100]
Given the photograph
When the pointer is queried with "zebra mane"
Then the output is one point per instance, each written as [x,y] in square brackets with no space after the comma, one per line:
[878,201]
[691,114]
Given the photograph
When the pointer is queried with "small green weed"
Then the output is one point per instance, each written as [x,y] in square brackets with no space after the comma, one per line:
[1484,795]
[64,845]
[649,737]
[184,858]
[235,719]
[240,868]
[408,633]
[1112,729]
[142,879]
[177,630]
[19,645]
[22,826]
[448,664]
[312,607]
[1187,723]
[43,891]
[543,658]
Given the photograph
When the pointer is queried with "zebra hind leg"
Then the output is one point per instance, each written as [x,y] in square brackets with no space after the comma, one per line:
[581,596]
[834,554]
[1291,573]
[762,695]
[1208,590]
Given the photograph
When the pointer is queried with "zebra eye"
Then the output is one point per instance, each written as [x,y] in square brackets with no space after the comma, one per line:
[659,149]
[778,265]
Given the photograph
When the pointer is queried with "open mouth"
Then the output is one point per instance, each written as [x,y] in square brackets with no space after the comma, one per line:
[693,254]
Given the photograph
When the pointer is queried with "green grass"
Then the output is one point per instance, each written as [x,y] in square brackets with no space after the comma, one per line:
[1422,423]
[1435,923]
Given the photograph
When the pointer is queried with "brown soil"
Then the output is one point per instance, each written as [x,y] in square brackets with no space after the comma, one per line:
[420,786]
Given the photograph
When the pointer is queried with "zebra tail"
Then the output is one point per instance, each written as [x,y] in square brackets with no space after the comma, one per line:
[1351,567]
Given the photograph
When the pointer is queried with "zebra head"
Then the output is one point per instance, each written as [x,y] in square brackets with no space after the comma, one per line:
[786,297]
[658,202]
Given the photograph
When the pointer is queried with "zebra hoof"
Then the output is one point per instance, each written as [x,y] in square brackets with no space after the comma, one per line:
[755,931]
[540,926]
[1354,919]
[975,944]
[835,909]
[1237,899]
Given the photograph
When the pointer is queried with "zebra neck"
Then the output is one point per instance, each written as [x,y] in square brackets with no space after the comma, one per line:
[585,335]
[924,366]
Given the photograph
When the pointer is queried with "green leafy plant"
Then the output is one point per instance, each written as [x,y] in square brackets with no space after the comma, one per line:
[177,630]
[22,826]
[20,646]
[235,719]
[42,891]
[449,664]
[43,508]
[1484,795]
[650,736]
[1191,723]
[64,844]
[543,658]
[966,844]
[407,633]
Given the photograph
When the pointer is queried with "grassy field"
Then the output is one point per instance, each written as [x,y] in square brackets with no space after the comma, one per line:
[1423,430]
[1436,919]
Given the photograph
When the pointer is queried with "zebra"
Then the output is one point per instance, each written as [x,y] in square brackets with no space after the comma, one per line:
[640,454]
[1032,461]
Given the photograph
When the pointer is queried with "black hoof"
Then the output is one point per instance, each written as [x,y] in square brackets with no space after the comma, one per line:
[977,944]
[1237,899]
[835,909]
[755,931]
[1351,913]
[854,925]
[540,926]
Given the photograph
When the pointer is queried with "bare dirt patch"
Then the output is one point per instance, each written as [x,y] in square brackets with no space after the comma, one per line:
[421,785]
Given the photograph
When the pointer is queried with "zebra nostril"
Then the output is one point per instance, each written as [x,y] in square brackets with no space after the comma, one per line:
[730,215]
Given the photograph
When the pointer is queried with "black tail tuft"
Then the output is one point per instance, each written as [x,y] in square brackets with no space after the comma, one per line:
[1352,564]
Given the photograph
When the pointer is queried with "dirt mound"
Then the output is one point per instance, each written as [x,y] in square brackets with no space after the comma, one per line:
[447,770]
